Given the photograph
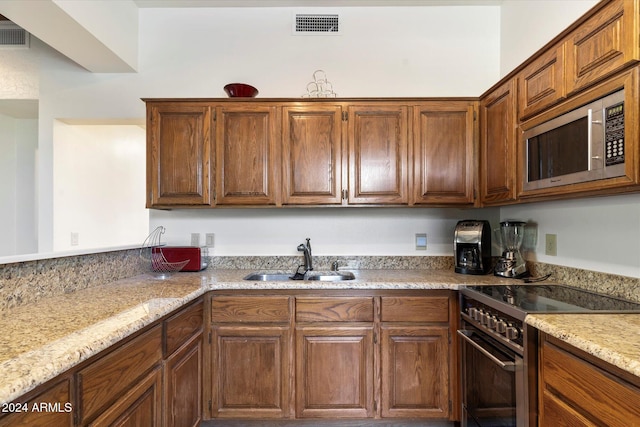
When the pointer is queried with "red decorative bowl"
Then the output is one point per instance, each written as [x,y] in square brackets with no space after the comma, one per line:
[240,90]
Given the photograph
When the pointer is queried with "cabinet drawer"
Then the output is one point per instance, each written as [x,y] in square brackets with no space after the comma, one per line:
[415,309]
[182,326]
[109,377]
[589,390]
[249,309]
[339,309]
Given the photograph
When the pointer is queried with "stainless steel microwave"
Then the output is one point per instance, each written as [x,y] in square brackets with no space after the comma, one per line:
[585,144]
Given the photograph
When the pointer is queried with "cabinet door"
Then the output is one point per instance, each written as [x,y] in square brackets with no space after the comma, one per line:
[246,160]
[140,406]
[603,44]
[334,372]
[250,372]
[183,385]
[498,145]
[378,154]
[312,154]
[58,409]
[542,82]
[443,152]
[415,373]
[179,154]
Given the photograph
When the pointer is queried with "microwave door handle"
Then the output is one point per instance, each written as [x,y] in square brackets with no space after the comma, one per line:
[507,366]
[590,136]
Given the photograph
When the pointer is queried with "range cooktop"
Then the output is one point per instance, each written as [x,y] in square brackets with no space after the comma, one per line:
[537,298]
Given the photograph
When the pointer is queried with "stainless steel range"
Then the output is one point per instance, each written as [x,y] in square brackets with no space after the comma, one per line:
[499,351]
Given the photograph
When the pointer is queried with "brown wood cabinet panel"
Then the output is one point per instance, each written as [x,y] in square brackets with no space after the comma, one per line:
[182,326]
[605,43]
[247,143]
[498,138]
[140,406]
[179,154]
[339,309]
[592,391]
[415,373]
[378,138]
[108,377]
[558,413]
[334,372]
[60,414]
[312,154]
[251,372]
[542,82]
[250,309]
[443,152]
[415,309]
[183,377]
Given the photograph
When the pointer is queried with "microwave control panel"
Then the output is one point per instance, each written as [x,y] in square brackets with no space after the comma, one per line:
[614,134]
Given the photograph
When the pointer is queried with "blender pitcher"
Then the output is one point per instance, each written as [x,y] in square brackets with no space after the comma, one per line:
[511,263]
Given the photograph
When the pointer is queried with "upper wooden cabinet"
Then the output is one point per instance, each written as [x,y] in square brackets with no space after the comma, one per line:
[498,153]
[378,154]
[323,152]
[312,154]
[603,44]
[542,82]
[246,146]
[444,135]
[179,156]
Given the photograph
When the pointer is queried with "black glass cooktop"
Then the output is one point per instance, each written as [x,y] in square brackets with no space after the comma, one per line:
[555,299]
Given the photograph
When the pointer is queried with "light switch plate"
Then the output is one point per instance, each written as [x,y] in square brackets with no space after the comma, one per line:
[421,241]
[195,239]
[551,244]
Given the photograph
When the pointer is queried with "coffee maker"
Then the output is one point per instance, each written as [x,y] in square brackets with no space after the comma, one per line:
[472,247]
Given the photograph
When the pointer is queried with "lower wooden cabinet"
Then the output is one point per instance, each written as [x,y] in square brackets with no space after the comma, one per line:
[333,354]
[140,406]
[57,410]
[183,376]
[334,372]
[575,389]
[250,368]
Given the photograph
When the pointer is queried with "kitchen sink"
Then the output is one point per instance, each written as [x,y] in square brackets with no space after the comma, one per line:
[322,276]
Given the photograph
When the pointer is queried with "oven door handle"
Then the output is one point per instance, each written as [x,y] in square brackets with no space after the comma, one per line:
[507,366]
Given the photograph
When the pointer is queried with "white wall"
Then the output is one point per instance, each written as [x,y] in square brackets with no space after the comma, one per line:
[527,25]
[99,180]
[194,52]
[18,144]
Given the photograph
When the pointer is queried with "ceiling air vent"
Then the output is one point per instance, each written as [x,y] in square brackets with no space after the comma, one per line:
[13,36]
[316,24]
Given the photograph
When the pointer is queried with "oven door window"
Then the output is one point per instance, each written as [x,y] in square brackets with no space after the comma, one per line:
[489,373]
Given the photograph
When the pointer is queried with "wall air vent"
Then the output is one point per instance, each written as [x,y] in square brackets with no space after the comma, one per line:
[13,36]
[316,24]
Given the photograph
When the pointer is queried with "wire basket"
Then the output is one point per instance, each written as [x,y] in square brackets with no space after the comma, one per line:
[151,253]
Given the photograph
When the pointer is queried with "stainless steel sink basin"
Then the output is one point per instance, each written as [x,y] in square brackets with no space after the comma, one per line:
[322,276]
[331,276]
[269,277]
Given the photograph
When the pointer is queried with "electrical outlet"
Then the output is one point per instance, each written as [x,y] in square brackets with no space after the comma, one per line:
[421,241]
[551,244]
[75,238]
[195,239]
[209,240]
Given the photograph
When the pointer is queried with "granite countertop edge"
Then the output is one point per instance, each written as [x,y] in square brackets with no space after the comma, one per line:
[612,338]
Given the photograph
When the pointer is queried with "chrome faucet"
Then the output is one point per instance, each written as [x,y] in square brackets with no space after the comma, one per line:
[306,249]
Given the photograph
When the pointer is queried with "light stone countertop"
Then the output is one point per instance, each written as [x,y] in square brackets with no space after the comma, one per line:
[614,338]
[42,340]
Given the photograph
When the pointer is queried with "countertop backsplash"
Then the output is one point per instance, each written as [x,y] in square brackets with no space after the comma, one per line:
[27,282]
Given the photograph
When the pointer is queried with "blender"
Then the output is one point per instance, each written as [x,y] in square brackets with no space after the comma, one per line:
[511,264]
